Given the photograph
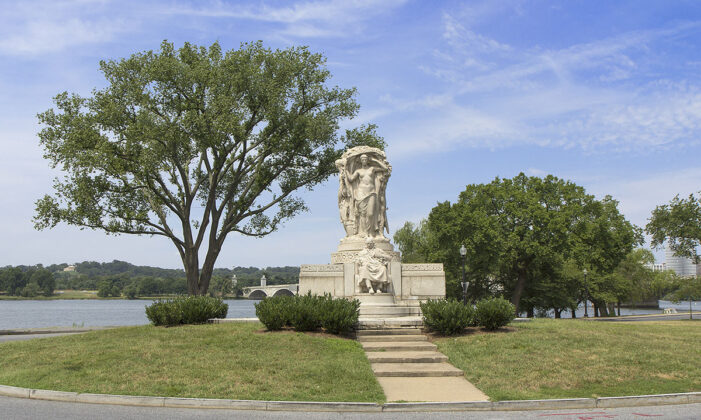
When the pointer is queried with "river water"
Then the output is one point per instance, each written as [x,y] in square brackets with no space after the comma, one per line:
[94,312]
[90,312]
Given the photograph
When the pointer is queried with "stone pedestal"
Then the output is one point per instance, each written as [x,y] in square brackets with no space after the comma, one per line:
[410,284]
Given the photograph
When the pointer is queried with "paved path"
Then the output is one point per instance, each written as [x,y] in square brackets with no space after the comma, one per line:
[24,409]
[409,368]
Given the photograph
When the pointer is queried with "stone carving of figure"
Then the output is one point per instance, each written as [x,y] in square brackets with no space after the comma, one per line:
[372,269]
[345,199]
[367,182]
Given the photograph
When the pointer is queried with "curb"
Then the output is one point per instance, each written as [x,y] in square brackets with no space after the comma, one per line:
[519,405]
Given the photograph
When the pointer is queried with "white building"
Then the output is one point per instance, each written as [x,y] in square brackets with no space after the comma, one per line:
[682,266]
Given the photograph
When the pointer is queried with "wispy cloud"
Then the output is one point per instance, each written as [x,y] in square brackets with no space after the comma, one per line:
[309,19]
[599,95]
[38,27]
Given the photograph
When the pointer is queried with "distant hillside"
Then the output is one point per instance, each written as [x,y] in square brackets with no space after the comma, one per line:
[246,276]
[120,277]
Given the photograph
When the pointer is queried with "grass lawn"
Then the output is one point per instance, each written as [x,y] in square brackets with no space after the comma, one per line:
[58,294]
[575,358]
[234,360]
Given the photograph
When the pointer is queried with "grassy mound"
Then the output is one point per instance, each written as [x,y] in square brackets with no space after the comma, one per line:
[576,358]
[233,361]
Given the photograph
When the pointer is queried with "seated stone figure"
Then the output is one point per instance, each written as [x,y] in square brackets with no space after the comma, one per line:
[372,269]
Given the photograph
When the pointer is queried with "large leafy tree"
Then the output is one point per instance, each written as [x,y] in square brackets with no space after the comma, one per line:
[522,235]
[679,224]
[194,144]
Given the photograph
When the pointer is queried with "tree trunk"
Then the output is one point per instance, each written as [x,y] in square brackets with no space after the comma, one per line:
[529,312]
[572,310]
[557,313]
[207,270]
[619,308]
[192,271]
[518,290]
[596,309]
[612,309]
[602,310]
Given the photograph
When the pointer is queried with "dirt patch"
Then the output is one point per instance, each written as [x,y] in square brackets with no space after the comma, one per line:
[288,330]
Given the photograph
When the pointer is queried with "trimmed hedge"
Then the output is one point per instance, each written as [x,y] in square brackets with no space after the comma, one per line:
[447,317]
[308,313]
[186,310]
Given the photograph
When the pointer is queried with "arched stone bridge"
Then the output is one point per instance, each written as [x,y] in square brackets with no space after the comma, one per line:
[259,292]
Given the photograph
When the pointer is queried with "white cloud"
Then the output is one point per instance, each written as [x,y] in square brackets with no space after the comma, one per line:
[31,28]
[577,96]
[301,20]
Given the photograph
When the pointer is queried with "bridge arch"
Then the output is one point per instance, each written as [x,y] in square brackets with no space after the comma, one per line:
[257,294]
[284,292]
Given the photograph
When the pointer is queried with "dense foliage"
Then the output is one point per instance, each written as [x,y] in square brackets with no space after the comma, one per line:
[194,144]
[494,313]
[308,313]
[447,317]
[528,238]
[186,310]
[27,281]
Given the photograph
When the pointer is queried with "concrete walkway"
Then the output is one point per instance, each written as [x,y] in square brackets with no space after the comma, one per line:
[409,368]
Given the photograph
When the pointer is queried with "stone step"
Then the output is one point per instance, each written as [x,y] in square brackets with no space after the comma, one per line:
[390,331]
[369,323]
[398,346]
[391,338]
[389,310]
[415,369]
[375,299]
[406,357]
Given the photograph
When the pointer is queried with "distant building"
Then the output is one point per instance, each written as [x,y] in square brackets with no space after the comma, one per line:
[69,268]
[656,267]
[682,266]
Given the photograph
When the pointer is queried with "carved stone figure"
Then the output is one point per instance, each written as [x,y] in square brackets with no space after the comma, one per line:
[372,269]
[363,175]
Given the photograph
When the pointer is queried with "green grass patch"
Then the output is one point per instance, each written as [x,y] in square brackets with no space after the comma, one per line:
[233,360]
[574,358]
[58,295]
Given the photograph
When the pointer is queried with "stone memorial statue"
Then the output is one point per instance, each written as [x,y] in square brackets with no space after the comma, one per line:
[365,265]
[363,174]
[372,269]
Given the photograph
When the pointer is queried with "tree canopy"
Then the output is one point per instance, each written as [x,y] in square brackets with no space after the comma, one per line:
[194,144]
[529,237]
[679,224]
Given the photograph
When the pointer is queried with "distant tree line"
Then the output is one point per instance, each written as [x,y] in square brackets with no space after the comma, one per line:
[120,278]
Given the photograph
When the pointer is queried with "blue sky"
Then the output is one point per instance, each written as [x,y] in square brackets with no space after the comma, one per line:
[605,94]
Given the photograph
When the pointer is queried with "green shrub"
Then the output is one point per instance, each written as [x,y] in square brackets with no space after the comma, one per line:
[198,309]
[164,313]
[339,316]
[186,310]
[274,311]
[494,313]
[447,317]
[305,314]
[308,313]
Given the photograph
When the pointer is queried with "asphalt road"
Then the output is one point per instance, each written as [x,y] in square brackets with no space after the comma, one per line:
[19,408]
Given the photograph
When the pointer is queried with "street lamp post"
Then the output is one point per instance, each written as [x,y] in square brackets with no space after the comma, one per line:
[586,297]
[464,283]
